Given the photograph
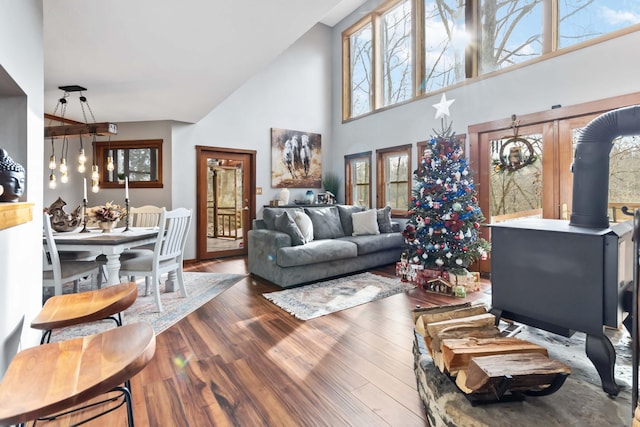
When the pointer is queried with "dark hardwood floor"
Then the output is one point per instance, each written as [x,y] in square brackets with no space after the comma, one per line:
[241,361]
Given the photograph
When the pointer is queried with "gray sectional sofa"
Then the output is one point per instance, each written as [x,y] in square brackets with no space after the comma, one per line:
[282,253]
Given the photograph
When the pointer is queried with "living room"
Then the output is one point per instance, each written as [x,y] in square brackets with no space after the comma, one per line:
[309,74]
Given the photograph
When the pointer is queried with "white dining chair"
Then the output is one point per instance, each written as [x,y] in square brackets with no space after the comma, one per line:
[167,256]
[145,216]
[56,272]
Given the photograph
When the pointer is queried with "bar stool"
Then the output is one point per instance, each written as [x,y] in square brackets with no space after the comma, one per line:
[55,378]
[73,309]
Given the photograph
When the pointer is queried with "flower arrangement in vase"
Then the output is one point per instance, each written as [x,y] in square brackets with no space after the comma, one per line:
[107,216]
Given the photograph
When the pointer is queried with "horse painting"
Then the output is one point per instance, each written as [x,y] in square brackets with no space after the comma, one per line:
[296,159]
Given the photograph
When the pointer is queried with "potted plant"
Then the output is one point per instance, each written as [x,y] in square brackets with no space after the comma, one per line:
[331,183]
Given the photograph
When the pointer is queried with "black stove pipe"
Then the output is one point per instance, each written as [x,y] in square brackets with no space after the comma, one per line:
[591,165]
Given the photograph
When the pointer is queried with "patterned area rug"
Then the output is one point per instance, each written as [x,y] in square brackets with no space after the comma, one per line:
[318,299]
[201,287]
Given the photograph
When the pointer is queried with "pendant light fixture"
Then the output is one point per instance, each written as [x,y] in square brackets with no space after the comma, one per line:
[71,128]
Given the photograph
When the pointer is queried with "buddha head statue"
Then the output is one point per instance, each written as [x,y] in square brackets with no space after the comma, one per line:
[12,177]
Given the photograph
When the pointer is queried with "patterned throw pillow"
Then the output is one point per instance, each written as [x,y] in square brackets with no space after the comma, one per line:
[384,220]
[286,224]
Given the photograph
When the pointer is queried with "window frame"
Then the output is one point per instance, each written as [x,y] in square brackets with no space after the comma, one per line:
[100,149]
[381,155]
[349,185]
[549,49]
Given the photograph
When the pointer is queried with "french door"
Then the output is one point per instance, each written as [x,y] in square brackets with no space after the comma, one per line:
[225,200]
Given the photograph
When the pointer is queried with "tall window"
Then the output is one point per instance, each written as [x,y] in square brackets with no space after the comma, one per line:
[408,48]
[357,170]
[396,52]
[394,178]
[360,70]
[445,41]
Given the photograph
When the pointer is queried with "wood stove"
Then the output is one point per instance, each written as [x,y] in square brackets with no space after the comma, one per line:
[568,276]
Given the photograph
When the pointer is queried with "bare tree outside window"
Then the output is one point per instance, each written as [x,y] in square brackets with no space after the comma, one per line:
[445,43]
[361,69]
[582,20]
[397,57]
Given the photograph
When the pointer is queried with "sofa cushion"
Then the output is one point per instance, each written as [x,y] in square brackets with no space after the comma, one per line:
[365,223]
[374,243]
[384,220]
[345,212]
[305,225]
[326,222]
[316,252]
[269,215]
[286,224]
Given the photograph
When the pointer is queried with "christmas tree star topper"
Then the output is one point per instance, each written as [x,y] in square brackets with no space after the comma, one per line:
[443,106]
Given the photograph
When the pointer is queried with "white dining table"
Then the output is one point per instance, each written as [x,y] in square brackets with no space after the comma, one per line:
[110,244]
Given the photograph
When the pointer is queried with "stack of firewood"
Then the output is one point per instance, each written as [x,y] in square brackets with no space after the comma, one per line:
[466,344]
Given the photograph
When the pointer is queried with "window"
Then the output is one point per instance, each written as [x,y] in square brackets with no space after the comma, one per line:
[140,161]
[357,170]
[445,41]
[511,33]
[408,48]
[360,70]
[396,53]
[581,20]
[394,178]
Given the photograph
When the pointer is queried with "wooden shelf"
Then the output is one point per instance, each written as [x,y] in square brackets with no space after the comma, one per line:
[12,214]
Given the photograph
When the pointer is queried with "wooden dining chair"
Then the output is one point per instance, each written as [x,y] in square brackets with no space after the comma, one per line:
[167,256]
[61,311]
[55,271]
[50,381]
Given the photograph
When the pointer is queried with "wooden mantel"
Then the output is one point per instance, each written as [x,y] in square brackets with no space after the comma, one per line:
[12,214]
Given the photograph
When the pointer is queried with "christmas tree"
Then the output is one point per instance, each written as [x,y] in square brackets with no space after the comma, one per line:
[442,233]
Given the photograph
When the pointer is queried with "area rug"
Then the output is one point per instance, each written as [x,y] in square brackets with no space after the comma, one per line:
[201,288]
[322,298]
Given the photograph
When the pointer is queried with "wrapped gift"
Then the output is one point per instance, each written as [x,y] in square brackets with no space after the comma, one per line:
[470,281]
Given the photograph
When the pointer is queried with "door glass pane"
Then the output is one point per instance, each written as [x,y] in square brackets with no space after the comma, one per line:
[516,178]
[624,174]
[224,205]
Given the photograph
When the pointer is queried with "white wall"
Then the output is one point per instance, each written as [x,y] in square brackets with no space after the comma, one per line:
[72,191]
[21,55]
[292,93]
[604,70]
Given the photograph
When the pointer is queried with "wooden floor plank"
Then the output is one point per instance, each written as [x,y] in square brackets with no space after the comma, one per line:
[240,360]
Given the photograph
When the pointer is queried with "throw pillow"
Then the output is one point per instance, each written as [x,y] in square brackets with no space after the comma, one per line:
[269,215]
[286,224]
[384,220]
[326,222]
[365,222]
[305,225]
[345,212]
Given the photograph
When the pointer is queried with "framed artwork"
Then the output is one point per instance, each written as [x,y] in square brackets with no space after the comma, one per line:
[296,159]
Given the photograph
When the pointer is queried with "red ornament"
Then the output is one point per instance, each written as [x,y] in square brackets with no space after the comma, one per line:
[476,225]
[464,249]
[468,208]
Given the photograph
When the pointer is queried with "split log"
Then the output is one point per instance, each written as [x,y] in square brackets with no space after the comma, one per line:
[457,353]
[528,371]
[464,331]
[419,311]
[478,320]
[453,314]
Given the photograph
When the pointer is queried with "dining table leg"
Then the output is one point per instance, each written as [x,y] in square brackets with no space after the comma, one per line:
[113,269]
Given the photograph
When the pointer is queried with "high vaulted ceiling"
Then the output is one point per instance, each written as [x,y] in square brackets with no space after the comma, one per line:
[165,59]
